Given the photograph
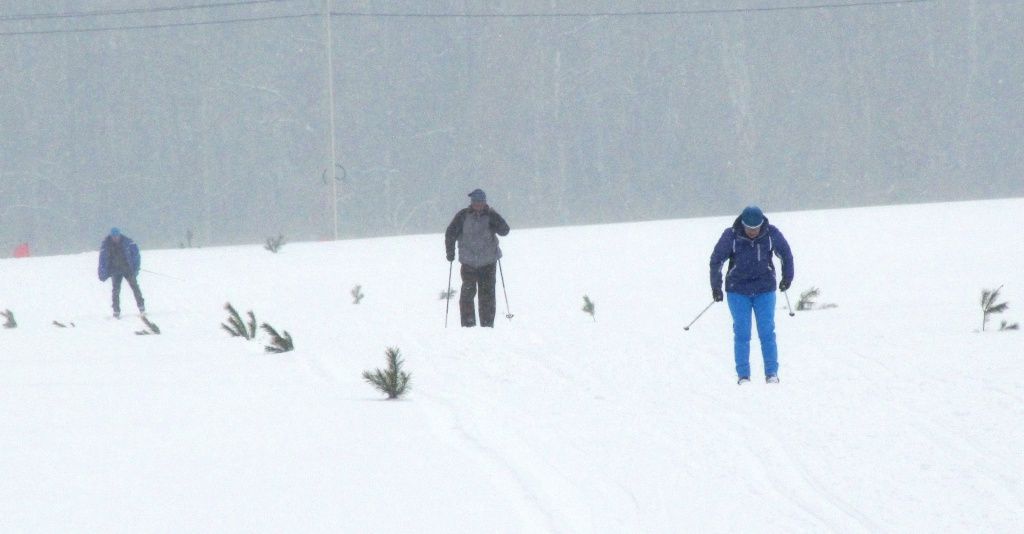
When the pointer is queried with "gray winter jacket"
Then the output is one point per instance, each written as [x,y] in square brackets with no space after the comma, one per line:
[475,233]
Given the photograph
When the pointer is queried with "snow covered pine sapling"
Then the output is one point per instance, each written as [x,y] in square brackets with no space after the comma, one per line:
[278,342]
[9,316]
[236,327]
[274,244]
[588,307]
[990,307]
[357,294]
[448,295]
[807,301]
[393,381]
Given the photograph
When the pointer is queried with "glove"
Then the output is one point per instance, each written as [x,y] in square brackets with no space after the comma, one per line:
[717,295]
[784,284]
[451,257]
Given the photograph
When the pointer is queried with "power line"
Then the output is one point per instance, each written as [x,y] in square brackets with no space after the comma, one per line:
[159,26]
[672,12]
[135,11]
[677,12]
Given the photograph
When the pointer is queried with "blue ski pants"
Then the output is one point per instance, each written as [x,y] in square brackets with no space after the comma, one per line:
[763,308]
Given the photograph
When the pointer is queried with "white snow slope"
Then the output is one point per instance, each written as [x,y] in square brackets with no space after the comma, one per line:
[895,414]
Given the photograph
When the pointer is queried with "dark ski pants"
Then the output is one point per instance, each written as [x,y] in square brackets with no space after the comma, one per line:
[134,283]
[762,307]
[472,279]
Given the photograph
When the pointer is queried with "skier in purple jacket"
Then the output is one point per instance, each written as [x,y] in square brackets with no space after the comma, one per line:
[750,285]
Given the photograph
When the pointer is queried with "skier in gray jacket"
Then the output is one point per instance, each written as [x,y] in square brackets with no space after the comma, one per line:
[476,229]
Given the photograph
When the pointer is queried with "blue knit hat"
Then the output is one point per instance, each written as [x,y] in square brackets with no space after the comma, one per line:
[115,231]
[752,217]
[478,195]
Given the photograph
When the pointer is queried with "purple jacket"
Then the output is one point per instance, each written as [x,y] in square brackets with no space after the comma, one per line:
[119,259]
[751,271]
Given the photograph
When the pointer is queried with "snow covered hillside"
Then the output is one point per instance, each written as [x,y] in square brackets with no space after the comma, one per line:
[894,413]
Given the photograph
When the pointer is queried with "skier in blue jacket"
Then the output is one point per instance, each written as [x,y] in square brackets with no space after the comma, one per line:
[750,285]
[120,260]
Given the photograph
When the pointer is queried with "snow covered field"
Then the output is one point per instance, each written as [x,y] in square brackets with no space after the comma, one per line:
[894,414]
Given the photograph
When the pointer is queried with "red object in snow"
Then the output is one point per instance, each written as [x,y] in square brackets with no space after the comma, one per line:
[21,251]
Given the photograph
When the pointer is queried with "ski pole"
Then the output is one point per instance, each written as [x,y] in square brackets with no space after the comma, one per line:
[508,314]
[791,314]
[448,295]
[687,327]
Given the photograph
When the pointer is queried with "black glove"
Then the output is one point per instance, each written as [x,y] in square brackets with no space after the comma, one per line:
[717,295]
[451,256]
[784,284]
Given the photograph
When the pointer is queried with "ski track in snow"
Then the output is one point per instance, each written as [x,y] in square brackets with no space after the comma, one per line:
[512,480]
[542,483]
[945,440]
[783,458]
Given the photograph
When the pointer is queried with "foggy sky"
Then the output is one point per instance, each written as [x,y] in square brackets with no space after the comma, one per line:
[224,129]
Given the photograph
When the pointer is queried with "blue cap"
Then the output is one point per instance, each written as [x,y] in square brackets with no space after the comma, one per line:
[478,195]
[752,217]
[115,231]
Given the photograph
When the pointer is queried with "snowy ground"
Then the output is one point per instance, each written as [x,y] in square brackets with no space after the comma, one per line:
[894,414]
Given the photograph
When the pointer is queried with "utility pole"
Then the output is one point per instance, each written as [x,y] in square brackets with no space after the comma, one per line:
[329,47]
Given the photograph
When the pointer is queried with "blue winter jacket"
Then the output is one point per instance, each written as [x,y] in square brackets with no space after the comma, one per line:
[109,267]
[751,271]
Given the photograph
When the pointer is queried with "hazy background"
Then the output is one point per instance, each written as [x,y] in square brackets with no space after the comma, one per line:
[224,128]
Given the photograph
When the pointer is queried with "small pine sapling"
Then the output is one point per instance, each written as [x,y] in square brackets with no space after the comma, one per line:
[278,342]
[989,305]
[9,316]
[806,301]
[274,244]
[236,327]
[151,328]
[588,307]
[1008,326]
[357,294]
[393,381]
[448,295]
